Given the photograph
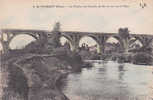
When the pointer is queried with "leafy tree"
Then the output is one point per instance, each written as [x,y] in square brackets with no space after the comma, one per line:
[57,27]
[56,35]
[124,35]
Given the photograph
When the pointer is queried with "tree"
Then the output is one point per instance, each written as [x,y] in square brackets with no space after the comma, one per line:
[124,35]
[56,35]
[57,27]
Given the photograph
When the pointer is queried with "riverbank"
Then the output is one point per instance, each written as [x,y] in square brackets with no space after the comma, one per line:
[41,75]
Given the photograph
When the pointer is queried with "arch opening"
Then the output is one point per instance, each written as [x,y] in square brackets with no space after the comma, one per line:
[64,41]
[89,43]
[20,41]
[135,43]
[112,45]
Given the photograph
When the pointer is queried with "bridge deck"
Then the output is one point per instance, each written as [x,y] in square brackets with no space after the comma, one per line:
[67,32]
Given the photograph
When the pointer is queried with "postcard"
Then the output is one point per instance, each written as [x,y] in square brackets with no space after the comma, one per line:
[76,50]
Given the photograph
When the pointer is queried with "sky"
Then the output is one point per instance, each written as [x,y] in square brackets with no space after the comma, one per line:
[20,14]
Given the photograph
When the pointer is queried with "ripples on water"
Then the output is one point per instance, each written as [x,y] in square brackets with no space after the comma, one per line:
[110,81]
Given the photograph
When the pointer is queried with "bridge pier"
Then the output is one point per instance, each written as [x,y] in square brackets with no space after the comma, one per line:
[5,45]
[75,46]
[5,40]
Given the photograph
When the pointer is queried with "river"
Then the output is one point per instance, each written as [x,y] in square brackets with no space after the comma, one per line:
[108,80]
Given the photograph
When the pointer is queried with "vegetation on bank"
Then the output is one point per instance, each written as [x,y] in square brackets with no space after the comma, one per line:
[35,78]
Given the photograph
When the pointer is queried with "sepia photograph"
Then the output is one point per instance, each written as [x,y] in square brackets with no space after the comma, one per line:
[76,50]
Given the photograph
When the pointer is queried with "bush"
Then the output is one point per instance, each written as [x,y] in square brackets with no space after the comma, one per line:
[143,58]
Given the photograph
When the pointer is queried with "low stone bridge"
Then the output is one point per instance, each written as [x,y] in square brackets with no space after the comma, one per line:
[6,35]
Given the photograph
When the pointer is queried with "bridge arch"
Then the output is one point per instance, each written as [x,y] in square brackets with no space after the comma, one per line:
[64,40]
[91,42]
[113,44]
[7,36]
[117,40]
[20,41]
[135,42]
[140,39]
[112,39]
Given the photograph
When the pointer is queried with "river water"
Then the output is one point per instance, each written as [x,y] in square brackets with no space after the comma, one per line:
[110,81]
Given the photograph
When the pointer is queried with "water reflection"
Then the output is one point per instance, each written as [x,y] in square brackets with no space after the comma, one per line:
[121,72]
[110,81]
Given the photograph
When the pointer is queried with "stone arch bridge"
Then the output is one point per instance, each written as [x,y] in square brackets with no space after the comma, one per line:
[101,38]
[6,35]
